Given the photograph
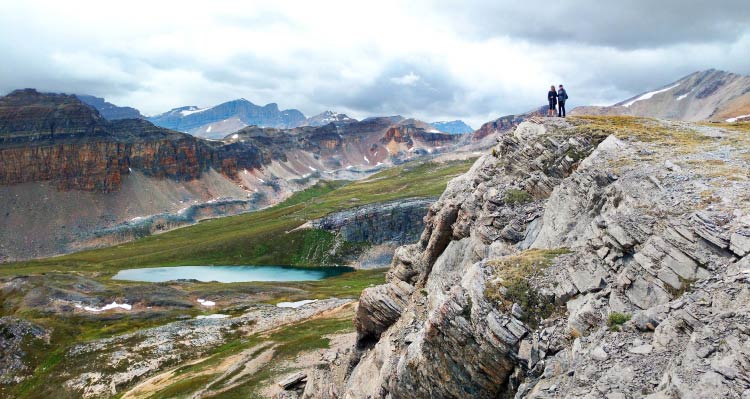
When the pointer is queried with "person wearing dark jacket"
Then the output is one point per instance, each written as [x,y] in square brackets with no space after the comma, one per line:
[552,99]
[562,96]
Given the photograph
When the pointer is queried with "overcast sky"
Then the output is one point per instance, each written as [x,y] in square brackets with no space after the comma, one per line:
[434,60]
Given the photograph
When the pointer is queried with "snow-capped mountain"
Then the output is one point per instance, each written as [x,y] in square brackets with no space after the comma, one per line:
[327,117]
[706,95]
[228,117]
[453,127]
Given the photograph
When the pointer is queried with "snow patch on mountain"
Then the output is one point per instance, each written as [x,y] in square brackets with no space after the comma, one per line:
[649,95]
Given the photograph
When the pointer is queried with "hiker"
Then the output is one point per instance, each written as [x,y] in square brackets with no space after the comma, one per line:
[552,99]
[562,95]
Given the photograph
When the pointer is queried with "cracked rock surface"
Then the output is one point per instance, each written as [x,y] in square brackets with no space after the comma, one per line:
[586,258]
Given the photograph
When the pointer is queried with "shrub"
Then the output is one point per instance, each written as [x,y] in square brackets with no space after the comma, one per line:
[514,197]
[512,283]
[616,319]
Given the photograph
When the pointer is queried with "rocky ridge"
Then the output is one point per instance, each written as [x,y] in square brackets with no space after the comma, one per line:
[584,258]
[713,95]
[108,110]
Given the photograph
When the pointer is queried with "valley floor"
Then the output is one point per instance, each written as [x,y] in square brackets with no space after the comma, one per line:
[167,344]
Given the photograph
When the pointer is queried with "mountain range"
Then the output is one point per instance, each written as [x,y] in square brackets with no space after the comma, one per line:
[106,181]
[100,166]
[228,117]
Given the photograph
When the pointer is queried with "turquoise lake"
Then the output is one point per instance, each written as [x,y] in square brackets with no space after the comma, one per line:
[230,274]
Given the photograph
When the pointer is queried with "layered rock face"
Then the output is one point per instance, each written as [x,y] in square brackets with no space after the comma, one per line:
[393,222]
[56,137]
[412,135]
[584,260]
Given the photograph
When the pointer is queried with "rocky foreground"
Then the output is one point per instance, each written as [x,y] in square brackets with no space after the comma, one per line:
[582,258]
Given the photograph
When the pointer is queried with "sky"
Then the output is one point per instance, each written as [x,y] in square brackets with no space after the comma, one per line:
[429,59]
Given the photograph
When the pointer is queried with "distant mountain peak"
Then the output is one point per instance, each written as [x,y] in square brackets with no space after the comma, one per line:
[453,127]
[327,117]
[228,117]
[108,110]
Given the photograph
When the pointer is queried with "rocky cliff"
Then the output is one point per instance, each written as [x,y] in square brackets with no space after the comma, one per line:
[55,137]
[583,258]
[397,222]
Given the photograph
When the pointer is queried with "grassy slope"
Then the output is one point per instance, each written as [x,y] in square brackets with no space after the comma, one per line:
[253,238]
[263,237]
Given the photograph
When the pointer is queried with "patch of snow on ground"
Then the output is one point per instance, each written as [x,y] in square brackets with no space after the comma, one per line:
[205,302]
[193,110]
[113,305]
[297,304]
[732,120]
[235,136]
[209,128]
[212,316]
[349,166]
[311,168]
[367,160]
[682,97]
[648,95]
[378,164]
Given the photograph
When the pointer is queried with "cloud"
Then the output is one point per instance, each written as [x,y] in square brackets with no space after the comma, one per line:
[407,80]
[431,59]
[627,24]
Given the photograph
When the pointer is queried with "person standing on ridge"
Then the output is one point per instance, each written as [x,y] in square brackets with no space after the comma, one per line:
[562,96]
[552,99]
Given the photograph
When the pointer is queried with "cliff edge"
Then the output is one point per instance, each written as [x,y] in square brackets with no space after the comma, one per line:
[583,258]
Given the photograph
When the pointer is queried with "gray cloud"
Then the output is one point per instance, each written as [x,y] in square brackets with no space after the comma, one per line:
[626,24]
[433,60]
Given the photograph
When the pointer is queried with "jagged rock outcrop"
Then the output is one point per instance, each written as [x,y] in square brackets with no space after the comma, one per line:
[394,222]
[504,124]
[586,259]
[15,337]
